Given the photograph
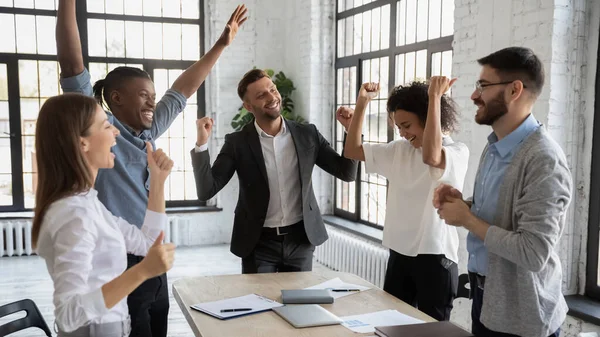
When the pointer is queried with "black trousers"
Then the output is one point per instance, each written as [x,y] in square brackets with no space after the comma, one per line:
[427,282]
[148,305]
[478,329]
[274,253]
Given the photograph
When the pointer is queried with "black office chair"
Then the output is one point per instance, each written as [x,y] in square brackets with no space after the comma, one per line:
[463,286]
[33,319]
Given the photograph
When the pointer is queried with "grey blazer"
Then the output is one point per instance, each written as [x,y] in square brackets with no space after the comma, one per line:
[242,153]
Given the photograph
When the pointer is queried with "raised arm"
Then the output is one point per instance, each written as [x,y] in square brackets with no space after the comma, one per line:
[192,78]
[68,44]
[353,148]
[433,155]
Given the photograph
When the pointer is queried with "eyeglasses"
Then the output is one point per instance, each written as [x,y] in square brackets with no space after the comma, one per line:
[479,86]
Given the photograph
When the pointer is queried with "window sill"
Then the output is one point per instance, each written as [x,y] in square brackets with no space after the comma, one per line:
[584,308]
[362,230]
[170,210]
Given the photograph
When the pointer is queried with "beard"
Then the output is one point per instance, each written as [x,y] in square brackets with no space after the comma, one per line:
[491,111]
[267,114]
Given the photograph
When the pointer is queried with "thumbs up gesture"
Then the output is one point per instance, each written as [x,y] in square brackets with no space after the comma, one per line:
[159,258]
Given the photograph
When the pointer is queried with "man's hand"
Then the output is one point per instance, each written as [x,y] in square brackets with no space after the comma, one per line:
[203,128]
[233,25]
[344,116]
[455,212]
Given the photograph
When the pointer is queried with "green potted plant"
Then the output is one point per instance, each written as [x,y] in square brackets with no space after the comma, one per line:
[285,86]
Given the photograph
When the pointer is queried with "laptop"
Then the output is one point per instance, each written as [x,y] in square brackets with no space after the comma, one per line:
[307,315]
[306,296]
[434,329]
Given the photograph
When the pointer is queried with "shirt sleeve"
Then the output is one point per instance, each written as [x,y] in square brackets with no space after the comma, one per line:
[138,241]
[167,109]
[74,244]
[456,156]
[379,158]
[79,83]
[201,148]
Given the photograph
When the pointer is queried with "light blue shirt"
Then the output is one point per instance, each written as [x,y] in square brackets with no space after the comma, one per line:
[124,188]
[487,186]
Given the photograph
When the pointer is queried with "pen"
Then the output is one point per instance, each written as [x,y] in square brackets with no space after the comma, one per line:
[235,310]
[342,290]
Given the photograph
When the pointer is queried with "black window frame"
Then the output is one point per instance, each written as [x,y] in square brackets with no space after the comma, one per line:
[14,97]
[432,46]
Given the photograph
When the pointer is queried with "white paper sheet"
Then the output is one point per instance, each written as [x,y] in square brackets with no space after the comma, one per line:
[366,323]
[337,283]
[255,302]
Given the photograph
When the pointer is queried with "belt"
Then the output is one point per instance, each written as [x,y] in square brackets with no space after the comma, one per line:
[477,279]
[278,233]
[112,329]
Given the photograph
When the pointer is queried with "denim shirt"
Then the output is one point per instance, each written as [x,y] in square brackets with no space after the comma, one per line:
[124,188]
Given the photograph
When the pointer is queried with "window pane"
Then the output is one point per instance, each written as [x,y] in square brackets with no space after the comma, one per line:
[171,9]
[115,35]
[411,21]
[44,4]
[153,40]
[436,64]
[366,33]
[24,4]
[114,6]
[435,18]
[30,108]
[422,12]
[341,5]
[340,38]
[401,23]
[421,67]
[409,71]
[348,41]
[358,33]
[5,184]
[49,77]
[172,44]
[46,40]
[28,78]
[95,6]
[96,37]
[29,185]
[161,82]
[191,42]
[3,83]
[134,39]
[447,63]
[25,35]
[190,186]
[152,7]
[340,86]
[7,38]
[376,29]
[399,69]
[447,17]
[134,7]
[189,125]
[177,186]
[6,3]
[190,9]
[97,71]
[385,26]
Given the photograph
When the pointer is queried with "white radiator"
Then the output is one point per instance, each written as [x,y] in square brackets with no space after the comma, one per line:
[15,235]
[15,238]
[347,253]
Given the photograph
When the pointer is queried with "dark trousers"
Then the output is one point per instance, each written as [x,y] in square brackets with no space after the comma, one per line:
[281,252]
[477,328]
[148,305]
[427,282]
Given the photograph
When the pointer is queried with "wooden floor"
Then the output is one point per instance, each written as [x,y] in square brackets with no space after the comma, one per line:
[27,277]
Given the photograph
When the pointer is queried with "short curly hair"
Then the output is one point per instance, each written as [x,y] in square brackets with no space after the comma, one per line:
[413,97]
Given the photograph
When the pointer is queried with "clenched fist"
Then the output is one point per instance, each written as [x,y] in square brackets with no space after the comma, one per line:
[203,127]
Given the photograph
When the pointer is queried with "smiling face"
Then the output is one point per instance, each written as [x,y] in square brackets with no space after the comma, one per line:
[410,127]
[489,97]
[98,141]
[263,100]
[135,103]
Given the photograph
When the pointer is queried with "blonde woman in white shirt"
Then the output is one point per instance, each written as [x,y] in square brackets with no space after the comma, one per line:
[84,245]
[422,268]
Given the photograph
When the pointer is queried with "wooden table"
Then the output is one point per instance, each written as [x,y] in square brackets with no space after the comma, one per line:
[191,291]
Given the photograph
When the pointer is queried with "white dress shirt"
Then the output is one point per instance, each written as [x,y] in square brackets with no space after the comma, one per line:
[281,162]
[85,247]
[412,225]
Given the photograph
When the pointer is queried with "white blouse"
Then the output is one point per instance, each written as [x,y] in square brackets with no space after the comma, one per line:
[85,247]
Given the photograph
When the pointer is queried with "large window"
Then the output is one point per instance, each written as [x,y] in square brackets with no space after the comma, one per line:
[391,42]
[162,37]
[592,284]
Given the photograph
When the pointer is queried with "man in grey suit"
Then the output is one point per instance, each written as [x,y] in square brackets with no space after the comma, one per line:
[277,220]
